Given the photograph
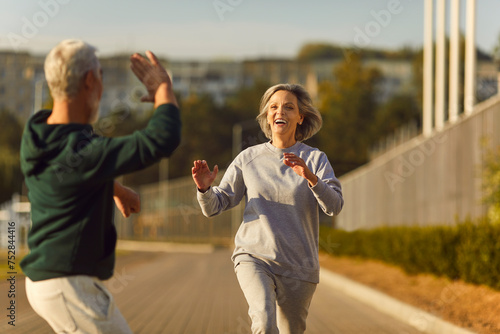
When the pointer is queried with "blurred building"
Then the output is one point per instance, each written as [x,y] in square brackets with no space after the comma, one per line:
[18,77]
[23,88]
[220,79]
[275,71]
[122,90]
[487,80]
[397,74]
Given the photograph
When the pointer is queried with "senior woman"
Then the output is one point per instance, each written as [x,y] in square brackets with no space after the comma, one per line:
[283,183]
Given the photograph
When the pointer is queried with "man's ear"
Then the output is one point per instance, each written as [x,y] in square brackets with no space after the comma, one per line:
[89,80]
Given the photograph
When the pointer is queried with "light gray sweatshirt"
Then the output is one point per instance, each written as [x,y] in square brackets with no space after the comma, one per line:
[281,219]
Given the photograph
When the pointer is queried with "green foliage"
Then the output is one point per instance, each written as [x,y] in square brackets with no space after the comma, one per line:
[400,110]
[243,108]
[496,50]
[10,170]
[354,118]
[478,254]
[418,76]
[245,103]
[206,135]
[319,51]
[208,128]
[491,183]
[349,111]
[469,251]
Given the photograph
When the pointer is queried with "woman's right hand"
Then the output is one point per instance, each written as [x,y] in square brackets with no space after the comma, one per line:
[202,175]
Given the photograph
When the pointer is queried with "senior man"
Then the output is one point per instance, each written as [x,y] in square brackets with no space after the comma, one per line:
[69,172]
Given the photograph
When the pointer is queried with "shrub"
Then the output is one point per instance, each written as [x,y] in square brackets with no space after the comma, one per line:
[491,183]
[468,250]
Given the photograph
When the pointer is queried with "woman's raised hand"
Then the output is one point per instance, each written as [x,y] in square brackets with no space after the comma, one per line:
[202,175]
[299,166]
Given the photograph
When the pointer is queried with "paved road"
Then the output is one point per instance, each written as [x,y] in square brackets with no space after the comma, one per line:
[195,293]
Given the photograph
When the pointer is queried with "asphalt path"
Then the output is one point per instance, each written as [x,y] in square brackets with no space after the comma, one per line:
[195,291]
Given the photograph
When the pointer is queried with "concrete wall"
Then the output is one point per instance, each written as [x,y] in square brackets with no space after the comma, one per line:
[426,181]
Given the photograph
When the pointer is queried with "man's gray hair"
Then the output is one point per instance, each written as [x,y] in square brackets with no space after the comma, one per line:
[312,118]
[67,64]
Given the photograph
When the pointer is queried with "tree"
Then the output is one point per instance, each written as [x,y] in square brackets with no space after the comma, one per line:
[319,51]
[491,182]
[349,111]
[322,51]
[496,51]
[206,135]
[244,104]
[207,128]
[243,107]
[400,110]
[10,169]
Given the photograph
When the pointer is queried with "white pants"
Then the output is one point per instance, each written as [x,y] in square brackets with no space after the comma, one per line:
[276,304]
[76,304]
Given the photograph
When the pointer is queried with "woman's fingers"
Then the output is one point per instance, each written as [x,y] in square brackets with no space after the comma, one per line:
[201,165]
[214,173]
[291,159]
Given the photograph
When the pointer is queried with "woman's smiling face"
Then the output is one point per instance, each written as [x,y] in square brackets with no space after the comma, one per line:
[283,114]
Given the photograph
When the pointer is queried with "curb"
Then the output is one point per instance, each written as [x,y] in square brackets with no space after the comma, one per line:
[420,320]
[167,247]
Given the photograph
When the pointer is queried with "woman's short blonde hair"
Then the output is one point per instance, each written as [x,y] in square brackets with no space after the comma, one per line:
[67,64]
[312,118]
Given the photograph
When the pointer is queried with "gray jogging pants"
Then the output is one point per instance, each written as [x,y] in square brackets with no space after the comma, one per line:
[276,304]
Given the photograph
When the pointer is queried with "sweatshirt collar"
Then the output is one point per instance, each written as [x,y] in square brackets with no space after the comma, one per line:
[295,148]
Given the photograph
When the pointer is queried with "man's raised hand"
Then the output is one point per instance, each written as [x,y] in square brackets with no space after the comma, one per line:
[154,77]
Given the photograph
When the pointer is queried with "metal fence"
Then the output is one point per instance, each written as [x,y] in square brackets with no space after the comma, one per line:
[14,223]
[170,212]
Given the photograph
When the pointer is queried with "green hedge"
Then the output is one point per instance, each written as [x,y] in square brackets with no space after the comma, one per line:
[469,251]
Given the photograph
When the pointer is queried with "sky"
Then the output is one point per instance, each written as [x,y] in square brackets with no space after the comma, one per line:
[225,29]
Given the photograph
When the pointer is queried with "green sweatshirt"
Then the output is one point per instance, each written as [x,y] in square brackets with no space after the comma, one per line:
[69,172]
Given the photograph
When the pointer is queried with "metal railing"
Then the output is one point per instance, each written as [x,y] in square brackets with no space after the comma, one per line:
[170,212]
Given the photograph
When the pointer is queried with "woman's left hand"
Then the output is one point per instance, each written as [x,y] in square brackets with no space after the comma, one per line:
[299,166]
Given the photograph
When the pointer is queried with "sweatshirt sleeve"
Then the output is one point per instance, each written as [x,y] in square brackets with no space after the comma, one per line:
[111,157]
[227,195]
[328,191]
